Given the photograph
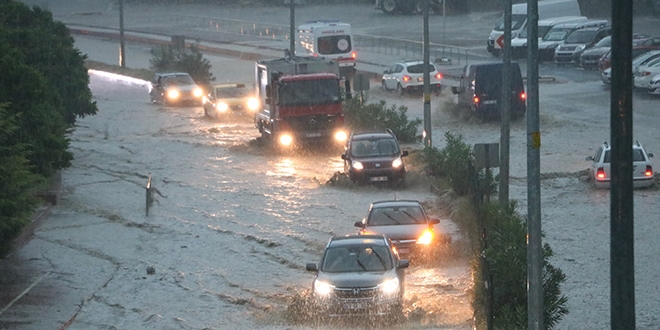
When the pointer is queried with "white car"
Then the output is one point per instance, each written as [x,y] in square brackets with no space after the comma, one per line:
[606,76]
[643,175]
[644,73]
[654,85]
[409,76]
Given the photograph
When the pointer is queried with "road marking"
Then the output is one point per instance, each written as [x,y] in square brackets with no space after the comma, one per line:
[23,293]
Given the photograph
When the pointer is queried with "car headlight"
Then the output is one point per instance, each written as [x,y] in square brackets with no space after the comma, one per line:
[286,139]
[390,287]
[198,92]
[322,289]
[397,163]
[551,46]
[580,47]
[655,80]
[341,136]
[357,165]
[426,237]
[173,94]
[222,106]
[253,103]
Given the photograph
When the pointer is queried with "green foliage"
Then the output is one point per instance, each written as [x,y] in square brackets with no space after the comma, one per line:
[364,116]
[167,58]
[16,203]
[454,162]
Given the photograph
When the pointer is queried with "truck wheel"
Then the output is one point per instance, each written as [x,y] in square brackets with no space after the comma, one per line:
[389,7]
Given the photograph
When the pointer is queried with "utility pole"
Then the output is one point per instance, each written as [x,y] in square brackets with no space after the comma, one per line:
[292,27]
[622,247]
[505,108]
[427,87]
[534,240]
[122,46]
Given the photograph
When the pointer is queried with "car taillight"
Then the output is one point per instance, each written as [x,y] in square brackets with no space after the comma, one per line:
[646,73]
[438,75]
[600,173]
[406,78]
[354,55]
[649,170]
[476,100]
[523,96]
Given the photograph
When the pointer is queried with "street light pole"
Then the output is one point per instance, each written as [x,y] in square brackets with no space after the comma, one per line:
[292,27]
[122,47]
[427,87]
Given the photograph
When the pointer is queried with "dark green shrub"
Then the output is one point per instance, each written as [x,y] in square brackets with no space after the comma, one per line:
[364,116]
[169,58]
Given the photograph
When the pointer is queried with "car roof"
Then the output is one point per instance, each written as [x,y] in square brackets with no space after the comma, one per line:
[636,145]
[399,202]
[413,62]
[371,135]
[225,85]
[354,239]
[166,74]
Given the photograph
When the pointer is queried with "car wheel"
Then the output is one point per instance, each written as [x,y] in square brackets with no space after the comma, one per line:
[399,89]
[382,84]
[389,7]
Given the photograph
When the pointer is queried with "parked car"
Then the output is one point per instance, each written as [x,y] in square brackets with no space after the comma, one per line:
[229,98]
[578,41]
[640,46]
[654,85]
[643,74]
[405,223]
[358,275]
[374,157]
[590,57]
[642,167]
[175,88]
[558,34]
[606,76]
[409,76]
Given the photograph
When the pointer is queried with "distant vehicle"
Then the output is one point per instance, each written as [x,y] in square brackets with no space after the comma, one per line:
[654,85]
[409,76]
[300,100]
[330,39]
[640,46]
[643,74]
[519,43]
[546,9]
[643,175]
[405,223]
[391,7]
[578,41]
[374,157]
[606,76]
[480,89]
[558,34]
[229,98]
[590,58]
[358,275]
[175,88]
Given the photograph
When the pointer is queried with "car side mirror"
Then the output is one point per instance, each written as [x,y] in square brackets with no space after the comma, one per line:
[591,158]
[404,153]
[312,267]
[403,263]
[344,157]
[359,224]
[650,154]
[434,221]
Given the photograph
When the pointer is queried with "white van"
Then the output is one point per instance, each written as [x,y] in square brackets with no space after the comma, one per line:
[519,44]
[331,39]
[546,9]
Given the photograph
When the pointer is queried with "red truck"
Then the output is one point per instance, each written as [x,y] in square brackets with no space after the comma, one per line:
[301,100]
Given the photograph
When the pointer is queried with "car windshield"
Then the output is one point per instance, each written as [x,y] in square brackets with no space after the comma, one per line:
[542,30]
[309,92]
[374,147]
[419,68]
[180,79]
[516,22]
[230,92]
[605,42]
[396,215]
[557,34]
[638,156]
[580,36]
[357,258]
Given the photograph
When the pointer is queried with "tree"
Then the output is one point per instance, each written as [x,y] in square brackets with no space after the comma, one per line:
[168,58]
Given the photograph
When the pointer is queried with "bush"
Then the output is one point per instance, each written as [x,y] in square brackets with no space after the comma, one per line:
[169,58]
[363,116]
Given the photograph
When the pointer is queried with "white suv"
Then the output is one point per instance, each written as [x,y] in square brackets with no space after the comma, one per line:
[642,167]
[409,75]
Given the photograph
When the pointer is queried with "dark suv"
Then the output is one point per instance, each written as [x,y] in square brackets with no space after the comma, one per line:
[358,275]
[578,41]
[374,157]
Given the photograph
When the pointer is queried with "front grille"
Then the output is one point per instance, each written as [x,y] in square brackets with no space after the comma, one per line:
[312,123]
[356,293]
[380,165]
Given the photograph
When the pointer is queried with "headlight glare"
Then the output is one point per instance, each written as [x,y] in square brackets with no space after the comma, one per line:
[252,104]
[222,106]
[322,288]
[198,92]
[426,237]
[341,136]
[390,286]
[357,165]
[286,139]
[173,94]
[397,162]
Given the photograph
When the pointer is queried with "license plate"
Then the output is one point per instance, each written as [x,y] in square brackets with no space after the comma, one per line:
[420,79]
[378,178]
[490,102]
[355,305]
[589,62]
[310,135]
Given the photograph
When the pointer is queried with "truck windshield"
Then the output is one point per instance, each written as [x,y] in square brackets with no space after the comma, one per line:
[310,92]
